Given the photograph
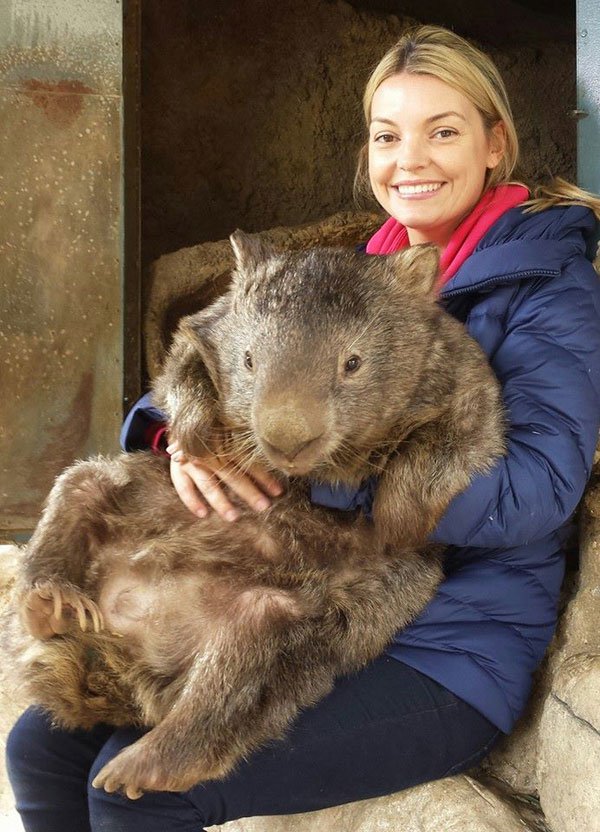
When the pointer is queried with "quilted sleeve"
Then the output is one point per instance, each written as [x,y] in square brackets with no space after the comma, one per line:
[548,363]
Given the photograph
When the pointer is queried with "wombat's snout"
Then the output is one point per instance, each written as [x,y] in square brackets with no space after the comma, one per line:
[289,450]
[291,432]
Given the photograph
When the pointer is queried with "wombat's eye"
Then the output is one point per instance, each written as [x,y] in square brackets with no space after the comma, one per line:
[352,364]
[248,360]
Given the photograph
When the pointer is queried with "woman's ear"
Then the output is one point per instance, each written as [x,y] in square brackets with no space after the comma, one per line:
[497,145]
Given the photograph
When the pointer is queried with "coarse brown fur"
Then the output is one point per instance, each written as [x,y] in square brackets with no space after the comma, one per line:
[325,365]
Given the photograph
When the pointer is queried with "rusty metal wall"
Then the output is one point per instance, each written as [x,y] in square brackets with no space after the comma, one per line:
[60,243]
[588,95]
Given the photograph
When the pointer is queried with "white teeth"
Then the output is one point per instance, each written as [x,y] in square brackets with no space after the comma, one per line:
[406,190]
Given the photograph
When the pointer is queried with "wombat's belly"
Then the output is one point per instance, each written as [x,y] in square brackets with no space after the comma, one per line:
[169,619]
[163,619]
[127,602]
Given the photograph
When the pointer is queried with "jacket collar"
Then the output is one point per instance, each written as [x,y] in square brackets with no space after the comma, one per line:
[522,245]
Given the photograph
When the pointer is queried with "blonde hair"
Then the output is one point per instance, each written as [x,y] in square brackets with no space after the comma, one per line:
[433,50]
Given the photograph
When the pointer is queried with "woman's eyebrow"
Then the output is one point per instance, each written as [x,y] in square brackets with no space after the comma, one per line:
[438,116]
[445,115]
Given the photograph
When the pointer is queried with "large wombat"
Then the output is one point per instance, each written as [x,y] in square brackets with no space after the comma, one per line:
[324,364]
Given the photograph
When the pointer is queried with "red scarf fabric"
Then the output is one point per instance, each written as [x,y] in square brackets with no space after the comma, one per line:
[392,236]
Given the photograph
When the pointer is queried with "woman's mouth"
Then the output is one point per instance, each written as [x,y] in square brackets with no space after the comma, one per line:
[420,191]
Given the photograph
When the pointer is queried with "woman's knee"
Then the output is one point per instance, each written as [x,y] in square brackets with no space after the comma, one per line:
[38,752]
[26,745]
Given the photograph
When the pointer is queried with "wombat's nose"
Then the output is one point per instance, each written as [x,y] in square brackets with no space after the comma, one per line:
[289,450]
[286,425]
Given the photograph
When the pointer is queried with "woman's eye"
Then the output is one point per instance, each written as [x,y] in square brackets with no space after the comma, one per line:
[248,360]
[445,134]
[384,138]
[352,364]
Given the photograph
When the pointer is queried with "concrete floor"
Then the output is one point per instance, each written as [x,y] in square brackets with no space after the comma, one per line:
[10,822]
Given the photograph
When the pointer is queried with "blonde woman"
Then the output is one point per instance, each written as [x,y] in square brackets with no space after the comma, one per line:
[440,159]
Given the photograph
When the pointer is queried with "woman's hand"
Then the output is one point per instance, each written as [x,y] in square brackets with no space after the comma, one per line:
[202,483]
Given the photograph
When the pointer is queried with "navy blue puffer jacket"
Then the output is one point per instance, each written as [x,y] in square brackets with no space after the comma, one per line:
[531,299]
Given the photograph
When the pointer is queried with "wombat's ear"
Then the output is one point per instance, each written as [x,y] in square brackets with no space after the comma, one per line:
[189,387]
[249,251]
[201,333]
[416,268]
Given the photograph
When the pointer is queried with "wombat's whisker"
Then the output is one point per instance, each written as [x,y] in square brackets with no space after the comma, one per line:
[241,457]
[362,332]
[205,445]
[349,454]
[239,451]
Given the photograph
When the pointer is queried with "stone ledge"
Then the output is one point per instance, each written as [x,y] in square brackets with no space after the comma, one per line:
[577,687]
[456,804]
[569,768]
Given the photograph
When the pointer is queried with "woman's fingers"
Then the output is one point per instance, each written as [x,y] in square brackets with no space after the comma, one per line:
[245,487]
[266,480]
[200,483]
[208,483]
[176,454]
[186,489]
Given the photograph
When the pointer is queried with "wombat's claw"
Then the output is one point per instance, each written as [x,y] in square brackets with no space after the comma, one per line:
[128,774]
[115,783]
[49,610]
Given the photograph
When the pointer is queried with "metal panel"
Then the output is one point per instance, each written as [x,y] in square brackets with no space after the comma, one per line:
[588,94]
[60,243]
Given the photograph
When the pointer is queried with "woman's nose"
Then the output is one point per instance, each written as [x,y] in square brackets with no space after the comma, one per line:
[412,154]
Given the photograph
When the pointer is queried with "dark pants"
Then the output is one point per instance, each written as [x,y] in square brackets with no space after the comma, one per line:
[379,731]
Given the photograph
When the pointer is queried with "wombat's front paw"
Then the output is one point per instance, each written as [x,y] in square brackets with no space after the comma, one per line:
[51,609]
[139,769]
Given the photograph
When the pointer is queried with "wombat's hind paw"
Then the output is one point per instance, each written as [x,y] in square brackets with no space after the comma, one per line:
[132,772]
[143,768]
[51,609]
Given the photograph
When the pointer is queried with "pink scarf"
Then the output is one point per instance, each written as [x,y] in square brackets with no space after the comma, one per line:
[392,236]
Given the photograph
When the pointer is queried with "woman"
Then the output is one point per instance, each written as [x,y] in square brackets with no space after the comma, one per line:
[441,151]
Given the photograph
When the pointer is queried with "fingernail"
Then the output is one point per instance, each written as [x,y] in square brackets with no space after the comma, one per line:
[171,448]
[232,515]
[201,512]
[262,504]
[276,489]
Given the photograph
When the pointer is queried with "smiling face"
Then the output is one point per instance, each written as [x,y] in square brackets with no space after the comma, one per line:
[428,155]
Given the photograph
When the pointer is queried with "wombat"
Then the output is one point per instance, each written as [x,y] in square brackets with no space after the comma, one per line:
[323,365]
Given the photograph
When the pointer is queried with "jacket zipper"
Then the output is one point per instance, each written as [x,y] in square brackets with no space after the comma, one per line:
[505,278]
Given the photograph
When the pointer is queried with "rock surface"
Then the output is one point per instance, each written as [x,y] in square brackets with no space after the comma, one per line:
[456,804]
[569,747]
[10,707]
